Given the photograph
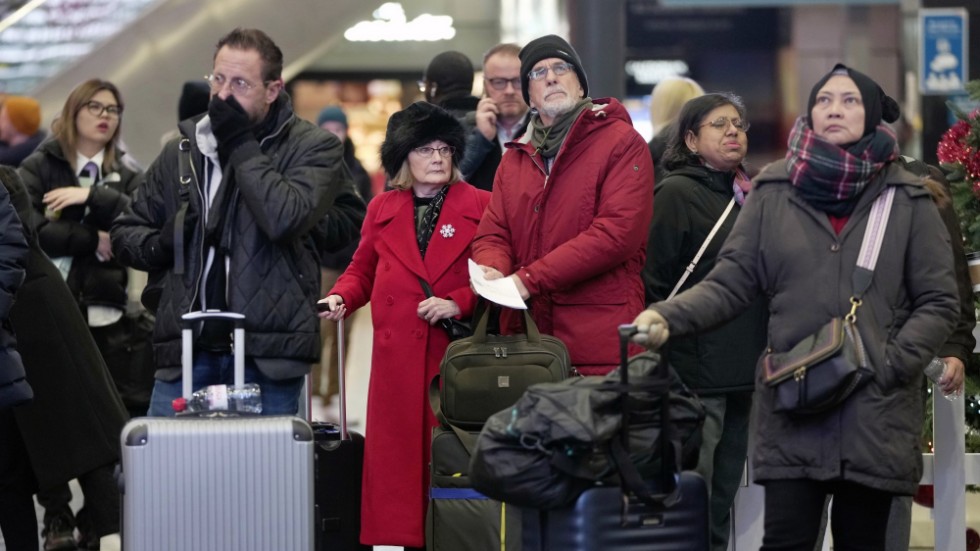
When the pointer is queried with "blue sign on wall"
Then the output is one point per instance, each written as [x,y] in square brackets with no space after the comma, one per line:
[942,51]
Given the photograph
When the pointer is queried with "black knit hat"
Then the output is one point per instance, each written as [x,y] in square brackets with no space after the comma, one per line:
[417,125]
[450,72]
[544,48]
[877,105]
[194,99]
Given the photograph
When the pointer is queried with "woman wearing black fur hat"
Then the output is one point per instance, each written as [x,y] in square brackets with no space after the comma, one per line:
[420,229]
[797,240]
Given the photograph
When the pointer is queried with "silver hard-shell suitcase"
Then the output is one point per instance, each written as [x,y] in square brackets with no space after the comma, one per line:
[217,483]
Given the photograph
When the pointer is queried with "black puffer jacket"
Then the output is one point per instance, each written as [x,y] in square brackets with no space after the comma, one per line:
[689,202]
[14,388]
[75,232]
[291,198]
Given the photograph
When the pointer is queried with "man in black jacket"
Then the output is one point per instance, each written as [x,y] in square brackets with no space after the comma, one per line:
[234,216]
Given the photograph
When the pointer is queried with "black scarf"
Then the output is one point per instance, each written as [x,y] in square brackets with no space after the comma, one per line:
[425,226]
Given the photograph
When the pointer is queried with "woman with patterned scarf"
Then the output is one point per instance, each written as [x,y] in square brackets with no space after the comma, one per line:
[796,242]
[421,229]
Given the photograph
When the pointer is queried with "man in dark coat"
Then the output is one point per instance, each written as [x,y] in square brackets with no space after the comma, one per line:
[266,193]
[501,115]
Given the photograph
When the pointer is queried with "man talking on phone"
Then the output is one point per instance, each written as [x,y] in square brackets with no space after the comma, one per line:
[501,115]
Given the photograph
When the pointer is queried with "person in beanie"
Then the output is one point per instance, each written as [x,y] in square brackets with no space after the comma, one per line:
[572,201]
[797,242]
[421,229]
[20,129]
[448,83]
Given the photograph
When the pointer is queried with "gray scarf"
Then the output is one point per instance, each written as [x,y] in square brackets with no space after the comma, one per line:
[547,140]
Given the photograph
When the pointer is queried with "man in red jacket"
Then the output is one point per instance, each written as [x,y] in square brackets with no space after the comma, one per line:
[570,210]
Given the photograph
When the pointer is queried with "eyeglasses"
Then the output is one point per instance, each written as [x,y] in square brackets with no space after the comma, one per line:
[501,83]
[96,108]
[426,151]
[238,85]
[721,123]
[558,68]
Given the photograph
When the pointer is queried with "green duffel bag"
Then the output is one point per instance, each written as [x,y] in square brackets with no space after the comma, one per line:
[458,516]
[484,374]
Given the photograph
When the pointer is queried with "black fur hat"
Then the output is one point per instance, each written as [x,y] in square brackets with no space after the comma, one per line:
[417,125]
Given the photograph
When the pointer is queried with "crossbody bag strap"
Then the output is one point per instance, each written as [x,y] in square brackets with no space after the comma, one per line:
[704,246]
[871,245]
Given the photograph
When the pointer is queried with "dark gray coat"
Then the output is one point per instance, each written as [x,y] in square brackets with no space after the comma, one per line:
[784,248]
[289,198]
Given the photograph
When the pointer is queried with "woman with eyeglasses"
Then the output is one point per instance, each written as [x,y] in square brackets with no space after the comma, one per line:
[416,234]
[701,196]
[77,185]
[797,243]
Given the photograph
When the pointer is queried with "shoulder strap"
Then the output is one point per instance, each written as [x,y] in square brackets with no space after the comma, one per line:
[704,246]
[184,175]
[871,245]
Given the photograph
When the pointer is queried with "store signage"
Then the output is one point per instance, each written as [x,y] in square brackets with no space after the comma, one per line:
[391,25]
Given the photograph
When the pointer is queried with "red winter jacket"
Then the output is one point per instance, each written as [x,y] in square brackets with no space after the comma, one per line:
[577,236]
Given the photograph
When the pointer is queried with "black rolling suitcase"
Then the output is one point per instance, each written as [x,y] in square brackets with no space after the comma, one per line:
[601,519]
[338,456]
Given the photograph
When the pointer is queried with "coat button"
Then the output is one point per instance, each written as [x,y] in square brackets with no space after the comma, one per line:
[835,247]
[537,208]
[387,333]
[389,300]
[387,266]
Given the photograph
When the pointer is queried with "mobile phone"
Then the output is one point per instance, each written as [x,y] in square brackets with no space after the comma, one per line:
[323,307]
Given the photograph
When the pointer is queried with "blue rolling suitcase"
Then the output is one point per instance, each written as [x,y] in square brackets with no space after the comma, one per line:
[607,519]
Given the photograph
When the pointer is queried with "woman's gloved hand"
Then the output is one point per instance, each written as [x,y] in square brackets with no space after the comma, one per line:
[652,331]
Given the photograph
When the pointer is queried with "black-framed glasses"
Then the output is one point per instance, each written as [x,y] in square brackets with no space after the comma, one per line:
[96,108]
[559,69]
[426,151]
[238,85]
[501,83]
[721,123]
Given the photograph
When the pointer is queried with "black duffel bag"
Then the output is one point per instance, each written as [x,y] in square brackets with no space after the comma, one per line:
[560,438]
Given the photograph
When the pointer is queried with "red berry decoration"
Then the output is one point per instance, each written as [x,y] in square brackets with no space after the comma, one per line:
[925,496]
[972,540]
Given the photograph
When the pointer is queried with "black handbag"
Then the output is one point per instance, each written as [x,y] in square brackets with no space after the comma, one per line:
[821,371]
[826,367]
[454,328]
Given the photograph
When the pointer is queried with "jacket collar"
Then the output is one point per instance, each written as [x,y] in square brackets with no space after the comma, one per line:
[397,215]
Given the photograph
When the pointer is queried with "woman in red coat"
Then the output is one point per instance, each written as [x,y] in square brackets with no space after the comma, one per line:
[420,229]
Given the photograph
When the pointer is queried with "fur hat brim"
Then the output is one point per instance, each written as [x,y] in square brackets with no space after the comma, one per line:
[415,126]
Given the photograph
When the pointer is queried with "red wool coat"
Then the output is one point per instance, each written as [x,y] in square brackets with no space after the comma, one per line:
[407,350]
[577,236]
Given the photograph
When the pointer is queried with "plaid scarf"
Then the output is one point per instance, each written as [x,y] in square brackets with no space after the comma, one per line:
[831,178]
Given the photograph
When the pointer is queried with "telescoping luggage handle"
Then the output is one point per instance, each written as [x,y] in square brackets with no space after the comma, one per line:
[341,378]
[187,340]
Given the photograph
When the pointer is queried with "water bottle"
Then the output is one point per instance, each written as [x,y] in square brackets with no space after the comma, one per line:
[934,371]
[243,399]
